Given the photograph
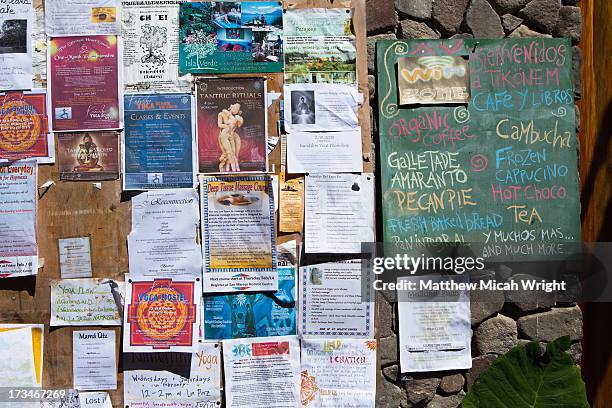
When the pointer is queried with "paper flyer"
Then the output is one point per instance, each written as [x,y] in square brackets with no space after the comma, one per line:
[86,302]
[161,315]
[336,302]
[94,360]
[159,142]
[88,156]
[291,204]
[75,257]
[232,125]
[82,17]
[238,234]
[37,337]
[95,400]
[325,152]
[18,196]
[16,22]
[151,46]
[19,370]
[262,372]
[338,373]
[84,83]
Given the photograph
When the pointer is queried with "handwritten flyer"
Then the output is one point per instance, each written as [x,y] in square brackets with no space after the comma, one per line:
[16,22]
[94,360]
[86,302]
[95,400]
[82,17]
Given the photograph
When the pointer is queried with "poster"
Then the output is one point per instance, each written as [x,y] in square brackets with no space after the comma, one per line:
[325,152]
[319,46]
[262,372]
[86,302]
[433,79]
[75,257]
[434,327]
[238,234]
[161,315]
[322,107]
[151,46]
[84,83]
[291,204]
[243,315]
[16,21]
[158,142]
[338,373]
[88,156]
[17,371]
[231,37]
[94,360]
[336,302]
[18,193]
[82,17]
[36,340]
[24,126]
[200,388]
[232,125]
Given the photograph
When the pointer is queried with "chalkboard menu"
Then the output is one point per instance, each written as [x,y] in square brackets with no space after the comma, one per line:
[500,169]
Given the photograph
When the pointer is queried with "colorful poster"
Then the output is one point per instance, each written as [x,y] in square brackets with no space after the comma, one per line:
[84,83]
[243,257]
[16,21]
[161,315]
[262,372]
[200,388]
[94,360]
[256,315]
[18,193]
[231,37]
[338,373]
[159,143]
[82,17]
[232,125]
[24,126]
[151,46]
[89,156]
[86,302]
[319,46]
[291,204]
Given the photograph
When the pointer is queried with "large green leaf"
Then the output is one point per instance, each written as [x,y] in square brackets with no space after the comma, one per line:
[526,378]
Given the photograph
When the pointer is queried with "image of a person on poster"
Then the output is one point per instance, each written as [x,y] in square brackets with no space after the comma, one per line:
[229,139]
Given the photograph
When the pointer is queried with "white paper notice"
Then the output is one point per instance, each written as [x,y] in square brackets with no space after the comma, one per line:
[18,249]
[262,372]
[321,107]
[434,332]
[324,152]
[339,373]
[95,400]
[94,361]
[18,370]
[339,212]
[82,17]
[333,304]
[16,20]
[75,257]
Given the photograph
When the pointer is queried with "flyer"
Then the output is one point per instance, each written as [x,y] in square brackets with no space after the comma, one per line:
[84,83]
[161,315]
[151,46]
[336,302]
[95,400]
[17,371]
[232,125]
[262,372]
[339,212]
[267,314]
[434,327]
[75,257]
[36,341]
[319,46]
[94,360]
[291,204]
[18,194]
[88,156]
[238,234]
[322,107]
[338,373]
[324,152]
[159,143]
[200,389]
[24,127]
[231,37]
[82,17]
[16,22]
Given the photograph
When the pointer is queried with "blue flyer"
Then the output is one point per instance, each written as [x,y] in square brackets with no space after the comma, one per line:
[158,144]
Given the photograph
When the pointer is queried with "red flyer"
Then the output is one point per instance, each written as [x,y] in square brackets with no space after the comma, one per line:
[23,125]
[84,83]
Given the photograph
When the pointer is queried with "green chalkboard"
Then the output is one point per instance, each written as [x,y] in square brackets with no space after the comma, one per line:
[501,169]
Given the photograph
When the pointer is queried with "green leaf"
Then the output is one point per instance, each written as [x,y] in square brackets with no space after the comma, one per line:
[526,378]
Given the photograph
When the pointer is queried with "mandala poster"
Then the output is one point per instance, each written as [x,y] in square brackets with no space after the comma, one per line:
[88,156]
[161,315]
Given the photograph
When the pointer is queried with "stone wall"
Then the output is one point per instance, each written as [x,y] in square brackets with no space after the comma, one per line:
[497,324]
